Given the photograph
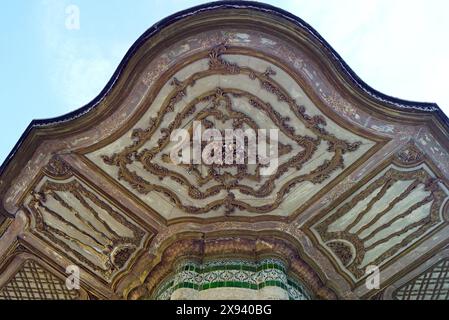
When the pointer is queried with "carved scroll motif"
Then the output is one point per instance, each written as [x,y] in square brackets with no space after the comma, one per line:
[218,186]
[84,225]
[391,212]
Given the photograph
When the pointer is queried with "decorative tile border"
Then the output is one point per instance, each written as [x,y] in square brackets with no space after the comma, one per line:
[199,249]
[231,274]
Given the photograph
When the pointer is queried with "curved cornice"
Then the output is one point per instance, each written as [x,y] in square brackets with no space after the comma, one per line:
[251,246]
[38,128]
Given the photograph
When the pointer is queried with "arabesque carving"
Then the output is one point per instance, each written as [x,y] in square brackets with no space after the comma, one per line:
[384,216]
[83,225]
[227,186]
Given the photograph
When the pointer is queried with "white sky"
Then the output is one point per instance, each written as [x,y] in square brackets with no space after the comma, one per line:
[398,47]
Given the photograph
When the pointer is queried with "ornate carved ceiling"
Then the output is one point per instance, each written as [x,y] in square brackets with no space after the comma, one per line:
[362,178]
[231,89]
[386,213]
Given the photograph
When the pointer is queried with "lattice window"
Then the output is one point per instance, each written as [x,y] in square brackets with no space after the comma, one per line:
[32,282]
[430,285]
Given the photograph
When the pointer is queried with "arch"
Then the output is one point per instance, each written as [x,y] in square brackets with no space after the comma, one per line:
[251,247]
[350,141]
